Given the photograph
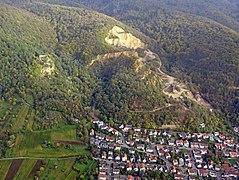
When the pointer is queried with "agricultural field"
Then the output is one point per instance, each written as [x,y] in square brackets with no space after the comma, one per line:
[18,122]
[57,169]
[45,143]
[30,118]
[15,165]
[83,168]
[4,166]
[25,169]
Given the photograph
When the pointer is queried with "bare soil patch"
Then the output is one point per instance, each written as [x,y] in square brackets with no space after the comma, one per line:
[36,168]
[73,143]
[13,169]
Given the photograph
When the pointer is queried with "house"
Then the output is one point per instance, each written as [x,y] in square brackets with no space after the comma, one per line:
[175,162]
[213,174]
[203,172]
[233,154]
[192,172]
[179,177]
[142,167]
[129,166]
[218,145]
[161,152]
[217,167]
[117,158]
[136,167]
[119,141]
[153,159]
[149,150]
[171,142]
[121,126]
[194,145]
[130,177]
[131,151]
[179,142]
[210,164]
[117,148]
[100,123]
[141,147]
[104,155]
[186,143]
[124,158]
[137,130]
[99,136]
[197,154]
[102,176]
[188,163]
[110,155]
[206,136]
[216,134]
[203,145]
[92,132]
[115,132]
[204,151]
[167,156]
[109,139]
[158,147]
[173,169]
[226,153]
[181,162]
[116,171]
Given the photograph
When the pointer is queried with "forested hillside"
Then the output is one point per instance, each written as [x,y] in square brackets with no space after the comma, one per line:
[197,40]
[150,64]
[57,83]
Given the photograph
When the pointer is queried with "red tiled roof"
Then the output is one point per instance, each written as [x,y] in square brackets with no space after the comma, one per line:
[130,178]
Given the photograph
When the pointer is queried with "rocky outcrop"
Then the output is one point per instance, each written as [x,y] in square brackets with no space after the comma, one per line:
[47,65]
[119,38]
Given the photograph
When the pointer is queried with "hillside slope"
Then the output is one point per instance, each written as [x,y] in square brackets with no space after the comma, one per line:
[123,87]
[197,40]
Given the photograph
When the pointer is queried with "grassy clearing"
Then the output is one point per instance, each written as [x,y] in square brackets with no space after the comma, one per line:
[72,176]
[54,153]
[57,169]
[4,166]
[4,106]
[25,169]
[30,99]
[30,121]
[18,122]
[30,143]
[82,168]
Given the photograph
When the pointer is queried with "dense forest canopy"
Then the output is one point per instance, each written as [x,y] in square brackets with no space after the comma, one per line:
[193,45]
[198,41]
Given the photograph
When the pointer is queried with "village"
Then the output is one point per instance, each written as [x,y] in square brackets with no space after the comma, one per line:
[126,152]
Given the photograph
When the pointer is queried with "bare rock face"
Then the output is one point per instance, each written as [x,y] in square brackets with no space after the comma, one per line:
[119,38]
[47,65]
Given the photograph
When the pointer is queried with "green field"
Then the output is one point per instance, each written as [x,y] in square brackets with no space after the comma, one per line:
[30,121]
[18,122]
[82,168]
[57,169]
[72,176]
[53,153]
[4,166]
[4,106]
[30,143]
[25,169]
